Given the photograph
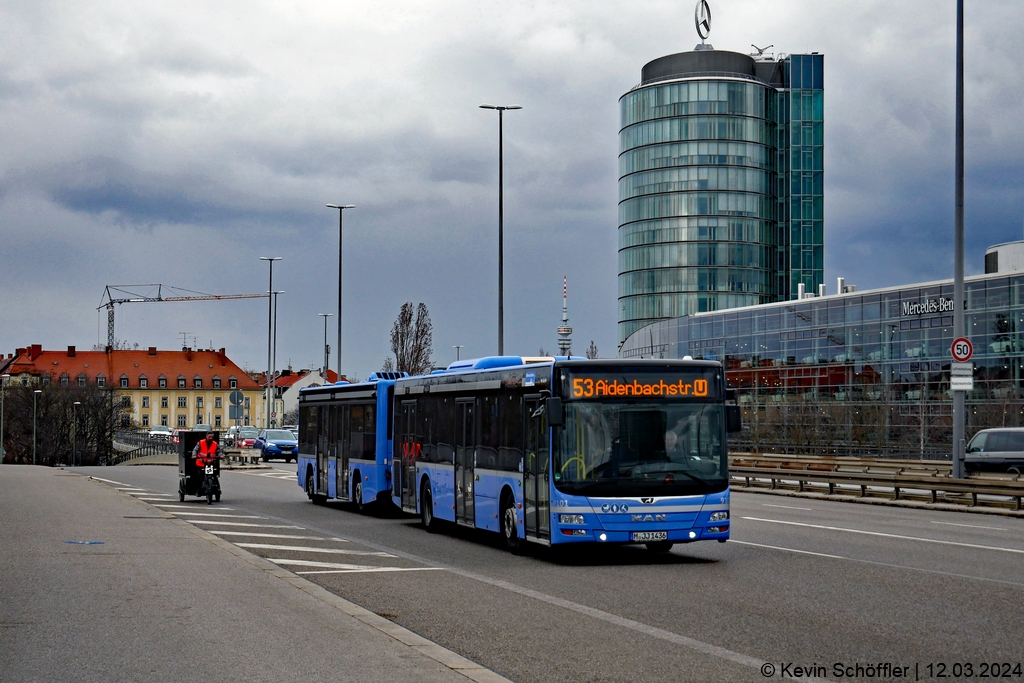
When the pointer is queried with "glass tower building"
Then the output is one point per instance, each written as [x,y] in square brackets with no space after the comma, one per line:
[720,184]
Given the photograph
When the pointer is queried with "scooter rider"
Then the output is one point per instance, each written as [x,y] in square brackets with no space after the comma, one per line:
[205,452]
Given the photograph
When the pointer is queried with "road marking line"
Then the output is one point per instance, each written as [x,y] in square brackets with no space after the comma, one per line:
[131,489]
[788,507]
[214,514]
[259,535]
[972,526]
[791,550]
[214,521]
[184,507]
[367,571]
[307,549]
[109,481]
[321,565]
[881,564]
[899,536]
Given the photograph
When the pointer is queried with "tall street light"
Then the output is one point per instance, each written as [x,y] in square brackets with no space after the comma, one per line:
[3,386]
[458,351]
[273,362]
[341,221]
[501,109]
[270,327]
[959,415]
[74,431]
[35,395]
[327,347]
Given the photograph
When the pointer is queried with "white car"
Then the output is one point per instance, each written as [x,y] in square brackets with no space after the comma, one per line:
[160,433]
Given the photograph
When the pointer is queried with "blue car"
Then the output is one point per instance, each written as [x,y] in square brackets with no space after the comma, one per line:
[277,443]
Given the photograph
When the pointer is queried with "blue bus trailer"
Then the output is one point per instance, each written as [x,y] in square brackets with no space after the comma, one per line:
[558,451]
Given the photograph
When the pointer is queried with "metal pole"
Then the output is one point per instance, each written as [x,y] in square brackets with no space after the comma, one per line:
[74,430]
[274,360]
[35,395]
[327,347]
[959,412]
[3,388]
[458,351]
[270,329]
[341,218]
[501,237]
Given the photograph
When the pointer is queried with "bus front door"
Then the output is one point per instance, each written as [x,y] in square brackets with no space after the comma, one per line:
[407,451]
[340,436]
[465,449]
[324,448]
[535,471]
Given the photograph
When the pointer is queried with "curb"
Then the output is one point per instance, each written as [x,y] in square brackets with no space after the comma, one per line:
[426,648]
[913,504]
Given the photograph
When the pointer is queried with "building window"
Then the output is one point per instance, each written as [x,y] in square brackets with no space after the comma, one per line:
[181,422]
[124,382]
[217,422]
[216,382]
[199,402]
[145,420]
[233,383]
[163,420]
[81,380]
[162,382]
[24,380]
[64,379]
[163,401]
[183,402]
[143,382]
[145,401]
[125,422]
[126,401]
[181,382]
[247,403]
[101,381]
[197,383]
[218,402]
[199,419]
[46,380]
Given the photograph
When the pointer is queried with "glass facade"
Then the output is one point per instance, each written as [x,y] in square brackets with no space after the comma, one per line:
[866,372]
[711,215]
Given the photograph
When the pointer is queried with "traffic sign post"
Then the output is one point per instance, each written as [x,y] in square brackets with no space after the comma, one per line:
[962,349]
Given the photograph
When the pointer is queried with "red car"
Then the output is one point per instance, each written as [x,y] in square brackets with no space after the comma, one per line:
[246,437]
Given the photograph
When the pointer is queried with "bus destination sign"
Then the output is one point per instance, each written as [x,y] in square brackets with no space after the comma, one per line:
[583,385]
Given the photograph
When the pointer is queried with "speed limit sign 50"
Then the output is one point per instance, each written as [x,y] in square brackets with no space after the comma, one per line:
[962,349]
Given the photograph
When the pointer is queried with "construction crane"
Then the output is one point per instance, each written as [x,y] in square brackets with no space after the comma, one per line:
[124,294]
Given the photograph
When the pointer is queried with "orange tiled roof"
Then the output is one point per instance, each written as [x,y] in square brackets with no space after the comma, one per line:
[151,364]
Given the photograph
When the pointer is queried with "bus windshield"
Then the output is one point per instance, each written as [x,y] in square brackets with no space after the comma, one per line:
[637,448]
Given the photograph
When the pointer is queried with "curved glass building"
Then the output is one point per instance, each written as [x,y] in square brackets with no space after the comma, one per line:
[707,147]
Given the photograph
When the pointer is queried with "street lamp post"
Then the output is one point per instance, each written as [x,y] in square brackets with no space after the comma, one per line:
[959,413]
[458,351]
[273,362]
[3,388]
[501,109]
[341,221]
[74,431]
[35,395]
[327,347]
[270,327]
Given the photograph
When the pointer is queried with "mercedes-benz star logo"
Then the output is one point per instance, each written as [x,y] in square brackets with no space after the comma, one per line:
[702,18]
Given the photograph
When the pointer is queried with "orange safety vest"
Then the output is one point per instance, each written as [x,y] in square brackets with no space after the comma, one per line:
[205,451]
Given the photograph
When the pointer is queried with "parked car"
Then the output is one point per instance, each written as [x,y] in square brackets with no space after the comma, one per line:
[229,436]
[996,450]
[160,433]
[246,437]
[176,435]
[202,428]
[278,443]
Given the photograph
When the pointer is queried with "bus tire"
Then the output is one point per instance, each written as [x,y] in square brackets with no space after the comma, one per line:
[659,546]
[357,494]
[427,507]
[510,524]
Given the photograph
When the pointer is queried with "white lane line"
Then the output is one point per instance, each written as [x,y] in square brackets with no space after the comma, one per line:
[971,526]
[788,507]
[109,481]
[214,514]
[254,534]
[184,507]
[307,549]
[976,546]
[259,526]
[376,569]
[131,489]
[156,496]
[880,564]
[789,550]
[319,565]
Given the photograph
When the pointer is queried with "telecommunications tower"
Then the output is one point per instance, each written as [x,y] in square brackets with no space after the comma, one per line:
[564,331]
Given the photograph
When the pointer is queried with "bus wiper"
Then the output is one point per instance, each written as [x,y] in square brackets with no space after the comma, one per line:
[692,476]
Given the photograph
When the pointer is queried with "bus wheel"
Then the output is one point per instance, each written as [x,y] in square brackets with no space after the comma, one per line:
[510,525]
[357,495]
[659,546]
[427,508]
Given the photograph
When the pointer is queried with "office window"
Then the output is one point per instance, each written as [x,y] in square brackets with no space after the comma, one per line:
[126,401]
[217,421]
[162,382]
[218,402]
[64,379]
[181,422]
[81,380]
[197,383]
[143,382]
[24,380]
[145,420]
[46,380]
[124,382]
[216,382]
[183,402]
[233,383]
[181,382]
[163,401]
[163,420]
[101,381]
[199,402]
[145,401]
[247,403]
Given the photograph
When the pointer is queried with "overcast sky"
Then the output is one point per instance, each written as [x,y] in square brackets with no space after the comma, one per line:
[178,142]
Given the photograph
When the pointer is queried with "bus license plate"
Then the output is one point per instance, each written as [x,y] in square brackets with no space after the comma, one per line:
[650,535]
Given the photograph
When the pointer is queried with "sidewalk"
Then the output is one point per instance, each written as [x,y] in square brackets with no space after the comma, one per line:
[157,599]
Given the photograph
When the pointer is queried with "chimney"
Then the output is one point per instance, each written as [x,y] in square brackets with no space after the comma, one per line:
[35,351]
[188,354]
[71,352]
[223,356]
[19,352]
[152,350]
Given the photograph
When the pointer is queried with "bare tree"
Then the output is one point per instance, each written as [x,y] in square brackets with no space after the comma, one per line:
[388,366]
[412,340]
[543,353]
[592,350]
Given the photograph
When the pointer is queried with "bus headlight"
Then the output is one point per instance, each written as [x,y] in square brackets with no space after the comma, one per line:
[719,516]
[570,519]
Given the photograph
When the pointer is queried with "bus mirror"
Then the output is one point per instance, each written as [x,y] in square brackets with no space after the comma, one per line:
[553,407]
[733,419]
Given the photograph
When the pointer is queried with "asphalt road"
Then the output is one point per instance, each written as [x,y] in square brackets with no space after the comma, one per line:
[803,582]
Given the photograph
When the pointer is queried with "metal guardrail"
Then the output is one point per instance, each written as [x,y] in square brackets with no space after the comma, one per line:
[871,477]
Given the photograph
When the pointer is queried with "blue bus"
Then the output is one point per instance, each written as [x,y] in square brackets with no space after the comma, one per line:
[345,440]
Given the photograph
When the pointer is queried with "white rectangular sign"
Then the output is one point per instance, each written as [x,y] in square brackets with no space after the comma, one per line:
[961,369]
[961,383]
